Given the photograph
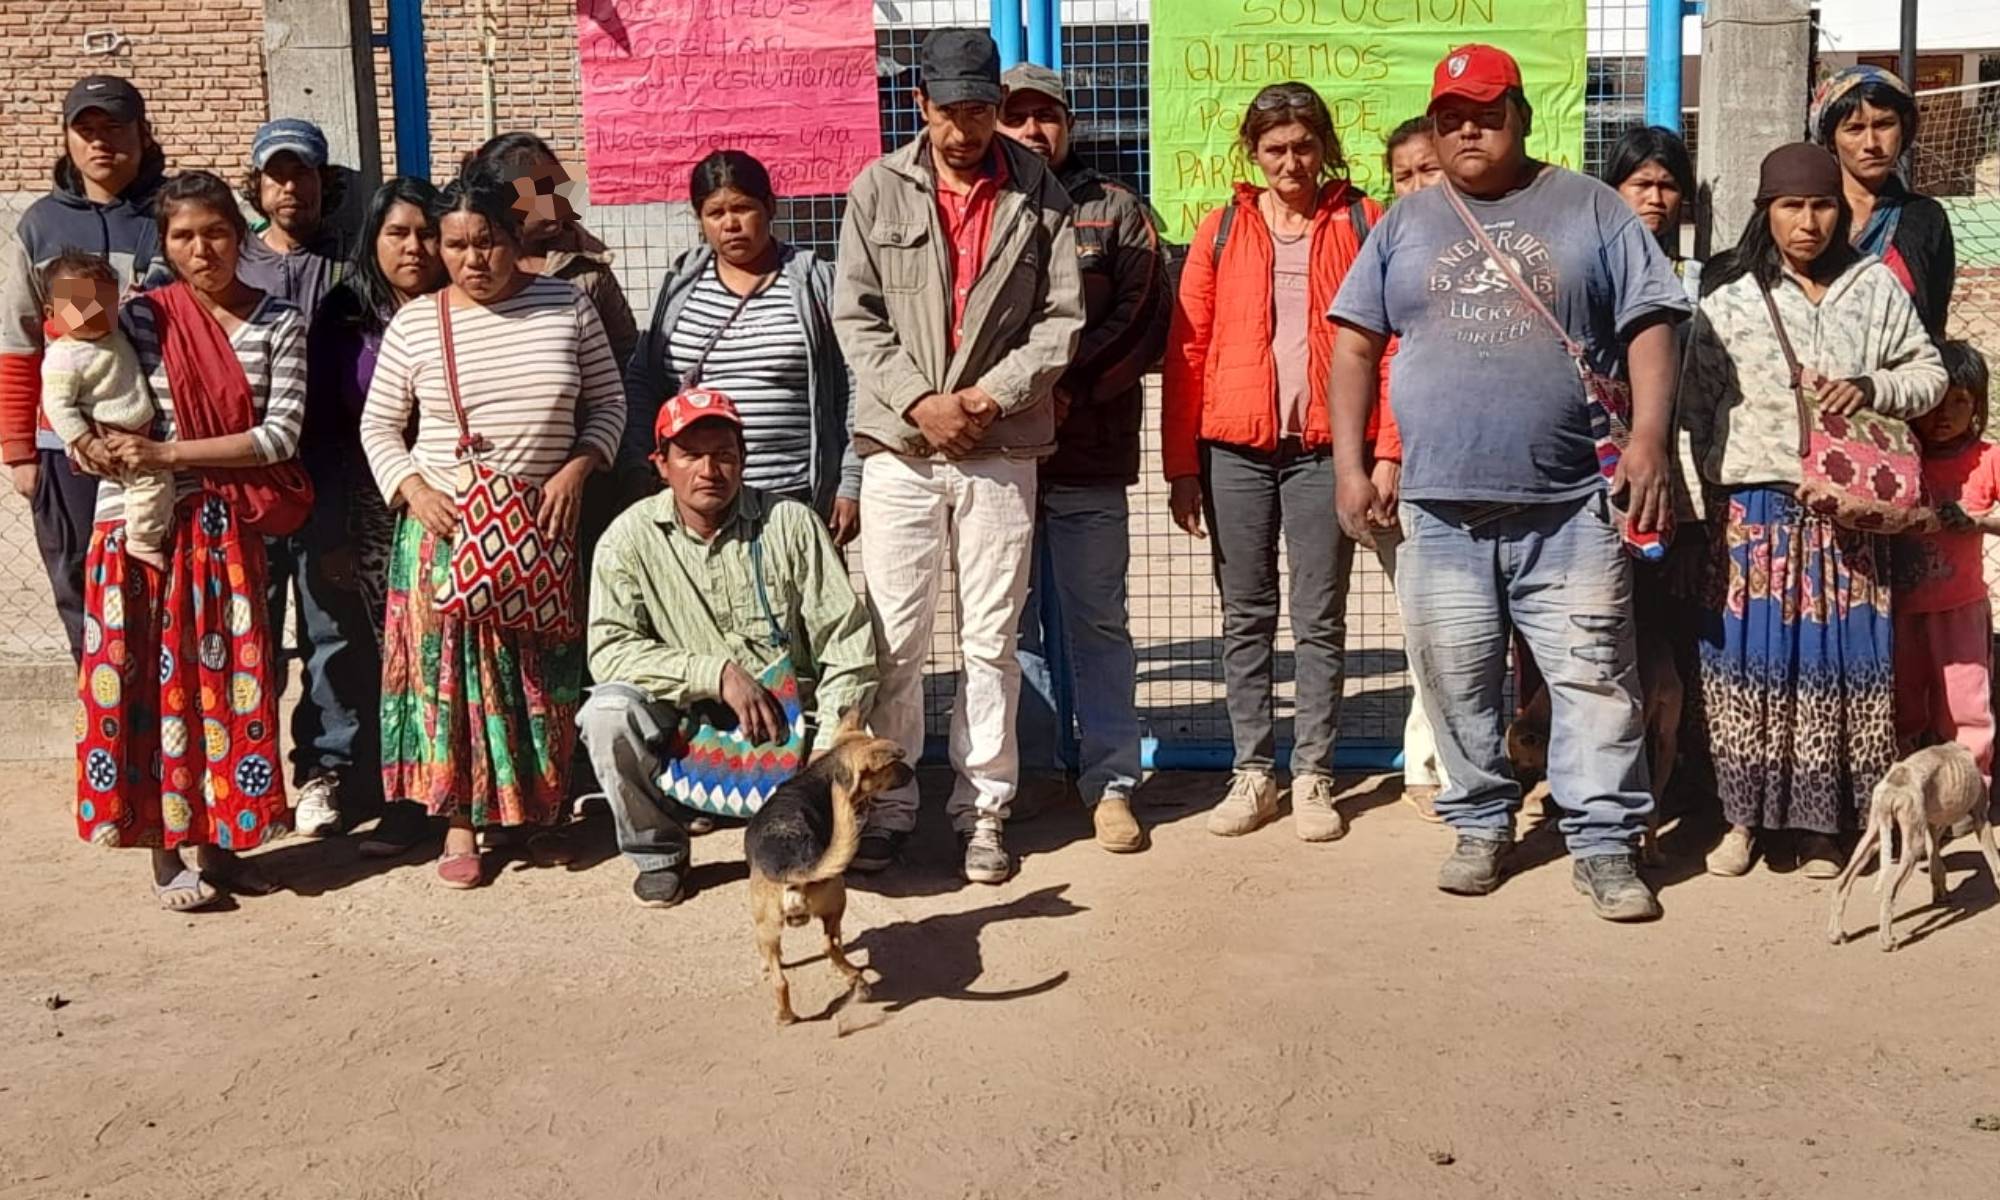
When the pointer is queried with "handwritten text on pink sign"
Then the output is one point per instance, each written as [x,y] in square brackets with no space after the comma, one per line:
[666,81]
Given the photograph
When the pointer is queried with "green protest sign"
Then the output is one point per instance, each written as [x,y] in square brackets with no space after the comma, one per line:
[1372,61]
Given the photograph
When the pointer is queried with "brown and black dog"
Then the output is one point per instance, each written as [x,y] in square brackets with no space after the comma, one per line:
[800,842]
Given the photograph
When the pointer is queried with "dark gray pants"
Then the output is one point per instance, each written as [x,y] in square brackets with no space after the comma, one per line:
[65,510]
[1252,496]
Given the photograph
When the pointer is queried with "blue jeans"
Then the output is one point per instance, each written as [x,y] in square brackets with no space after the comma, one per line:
[1076,590]
[1557,573]
[337,725]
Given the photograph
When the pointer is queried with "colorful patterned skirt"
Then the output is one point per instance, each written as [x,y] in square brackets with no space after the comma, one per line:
[475,718]
[1797,667]
[177,733]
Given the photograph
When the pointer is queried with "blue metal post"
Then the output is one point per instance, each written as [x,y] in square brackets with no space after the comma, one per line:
[408,88]
[1663,62]
[1044,32]
[1007,30]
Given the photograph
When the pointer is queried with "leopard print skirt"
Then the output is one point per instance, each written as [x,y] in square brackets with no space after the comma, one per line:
[1798,683]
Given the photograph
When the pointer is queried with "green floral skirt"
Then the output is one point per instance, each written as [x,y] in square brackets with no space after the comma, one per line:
[475,718]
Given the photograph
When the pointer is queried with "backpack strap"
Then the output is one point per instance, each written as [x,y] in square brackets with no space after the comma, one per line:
[1357,217]
[1222,234]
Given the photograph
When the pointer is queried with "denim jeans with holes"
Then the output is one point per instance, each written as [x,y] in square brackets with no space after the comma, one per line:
[1471,573]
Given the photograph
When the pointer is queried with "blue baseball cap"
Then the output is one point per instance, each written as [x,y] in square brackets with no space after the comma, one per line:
[288,135]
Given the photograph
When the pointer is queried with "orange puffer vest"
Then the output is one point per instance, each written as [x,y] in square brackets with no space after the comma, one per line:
[1220,380]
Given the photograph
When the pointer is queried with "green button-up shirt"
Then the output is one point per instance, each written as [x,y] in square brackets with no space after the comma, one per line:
[668,610]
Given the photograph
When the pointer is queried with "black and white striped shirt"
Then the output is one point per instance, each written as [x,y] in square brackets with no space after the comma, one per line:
[761,364]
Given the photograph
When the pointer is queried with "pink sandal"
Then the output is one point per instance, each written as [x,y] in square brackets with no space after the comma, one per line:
[460,871]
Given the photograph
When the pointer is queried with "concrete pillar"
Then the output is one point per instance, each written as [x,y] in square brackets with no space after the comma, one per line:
[319,64]
[1756,59]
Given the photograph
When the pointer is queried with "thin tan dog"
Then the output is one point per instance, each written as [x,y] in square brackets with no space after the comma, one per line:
[800,842]
[1918,800]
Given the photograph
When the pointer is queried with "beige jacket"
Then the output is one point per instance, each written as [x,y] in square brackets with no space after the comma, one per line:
[1736,400]
[892,304]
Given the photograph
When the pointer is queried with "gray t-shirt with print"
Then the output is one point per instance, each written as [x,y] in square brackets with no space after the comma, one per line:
[1488,402]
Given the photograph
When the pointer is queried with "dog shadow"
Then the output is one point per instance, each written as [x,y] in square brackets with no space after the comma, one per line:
[1973,896]
[939,957]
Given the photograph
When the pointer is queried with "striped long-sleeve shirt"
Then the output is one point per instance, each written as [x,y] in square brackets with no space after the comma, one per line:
[271,345]
[535,372]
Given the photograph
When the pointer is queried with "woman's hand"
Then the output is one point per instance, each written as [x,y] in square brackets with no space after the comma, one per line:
[88,453]
[133,452]
[434,510]
[845,523]
[1184,501]
[1841,397]
[562,498]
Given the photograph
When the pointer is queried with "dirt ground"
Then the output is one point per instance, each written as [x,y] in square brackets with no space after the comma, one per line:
[1255,1018]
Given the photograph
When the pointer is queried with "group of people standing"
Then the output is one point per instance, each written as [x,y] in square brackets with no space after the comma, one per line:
[959,393]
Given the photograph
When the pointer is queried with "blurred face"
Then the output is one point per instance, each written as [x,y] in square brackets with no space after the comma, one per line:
[1291,156]
[541,200]
[82,308]
[104,151]
[1414,166]
[961,134]
[1039,123]
[704,467]
[407,249]
[1479,142]
[1653,196]
[1949,421]
[1803,227]
[1869,142]
[479,258]
[288,192]
[202,247]
[737,225]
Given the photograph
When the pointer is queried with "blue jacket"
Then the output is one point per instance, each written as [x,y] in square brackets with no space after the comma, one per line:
[650,377]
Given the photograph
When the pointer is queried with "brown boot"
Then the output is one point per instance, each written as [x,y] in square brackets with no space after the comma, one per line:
[1117,829]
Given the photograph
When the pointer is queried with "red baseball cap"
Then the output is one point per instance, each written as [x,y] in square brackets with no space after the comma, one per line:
[1477,72]
[681,412]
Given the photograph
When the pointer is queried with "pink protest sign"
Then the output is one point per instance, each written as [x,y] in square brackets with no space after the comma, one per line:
[666,81]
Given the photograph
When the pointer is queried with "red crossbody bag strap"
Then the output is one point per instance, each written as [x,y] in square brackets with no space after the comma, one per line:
[467,443]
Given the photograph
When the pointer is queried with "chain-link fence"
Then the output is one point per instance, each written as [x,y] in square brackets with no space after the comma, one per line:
[1175,614]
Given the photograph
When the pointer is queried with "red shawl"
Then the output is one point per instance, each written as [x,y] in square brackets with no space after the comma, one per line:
[211,397]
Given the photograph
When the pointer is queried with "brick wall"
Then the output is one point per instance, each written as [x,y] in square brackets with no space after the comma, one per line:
[535,76]
[200,64]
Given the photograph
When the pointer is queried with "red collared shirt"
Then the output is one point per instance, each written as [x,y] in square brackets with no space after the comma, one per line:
[968,226]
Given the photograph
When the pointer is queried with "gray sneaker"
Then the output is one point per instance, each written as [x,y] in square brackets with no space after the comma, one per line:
[986,859]
[1616,892]
[1474,867]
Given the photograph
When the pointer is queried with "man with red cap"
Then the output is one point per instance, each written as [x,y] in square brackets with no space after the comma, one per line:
[678,619]
[1506,284]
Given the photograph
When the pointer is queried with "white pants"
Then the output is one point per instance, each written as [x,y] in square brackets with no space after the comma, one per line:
[1422,766]
[978,516]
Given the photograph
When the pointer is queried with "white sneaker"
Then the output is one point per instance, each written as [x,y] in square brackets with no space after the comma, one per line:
[1252,800]
[317,812]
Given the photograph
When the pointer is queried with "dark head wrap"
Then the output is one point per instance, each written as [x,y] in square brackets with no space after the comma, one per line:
[1798,169]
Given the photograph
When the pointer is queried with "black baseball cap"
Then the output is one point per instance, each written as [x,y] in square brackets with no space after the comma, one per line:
[960,66]
[116,97]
